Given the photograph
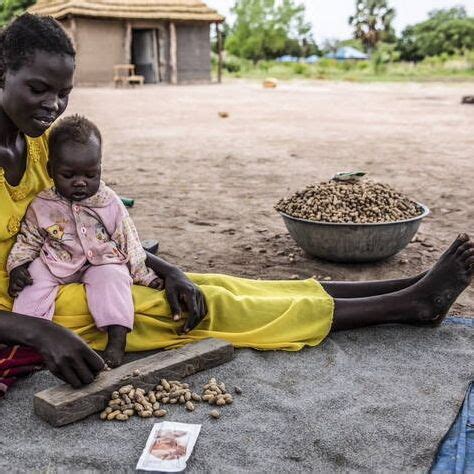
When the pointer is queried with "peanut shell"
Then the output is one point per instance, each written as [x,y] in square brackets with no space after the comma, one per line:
[125,389]
[112,415]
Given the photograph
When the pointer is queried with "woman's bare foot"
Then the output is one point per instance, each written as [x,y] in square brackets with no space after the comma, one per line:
[448,278]
[115,350]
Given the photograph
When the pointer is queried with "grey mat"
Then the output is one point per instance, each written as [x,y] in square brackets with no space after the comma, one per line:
[373,400]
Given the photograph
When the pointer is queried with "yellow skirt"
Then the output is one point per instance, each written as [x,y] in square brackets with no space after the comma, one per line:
[261,314]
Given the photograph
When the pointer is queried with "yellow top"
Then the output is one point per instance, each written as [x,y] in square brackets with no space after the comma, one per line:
[15,199]
[249,313]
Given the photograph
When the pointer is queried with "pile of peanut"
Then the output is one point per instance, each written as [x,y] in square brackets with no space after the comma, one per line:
[362,202]
[128,400]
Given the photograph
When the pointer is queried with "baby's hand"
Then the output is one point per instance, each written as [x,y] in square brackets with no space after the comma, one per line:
[19,278]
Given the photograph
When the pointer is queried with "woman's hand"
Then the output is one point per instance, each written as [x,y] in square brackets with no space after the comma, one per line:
[19,278]
[67,356]
[184,295]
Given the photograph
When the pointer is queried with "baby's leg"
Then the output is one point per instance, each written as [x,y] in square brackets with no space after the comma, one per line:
[109,297]
[38,299]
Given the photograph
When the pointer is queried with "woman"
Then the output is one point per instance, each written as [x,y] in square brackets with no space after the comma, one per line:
[36,73]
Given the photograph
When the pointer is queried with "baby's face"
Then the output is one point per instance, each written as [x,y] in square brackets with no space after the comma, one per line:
[76,169]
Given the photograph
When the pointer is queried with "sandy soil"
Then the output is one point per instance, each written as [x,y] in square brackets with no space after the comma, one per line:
[205,186]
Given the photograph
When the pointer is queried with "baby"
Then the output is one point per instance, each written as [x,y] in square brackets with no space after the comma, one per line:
[79,232]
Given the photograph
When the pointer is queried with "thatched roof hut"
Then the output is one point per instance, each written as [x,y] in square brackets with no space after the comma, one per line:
[167,40]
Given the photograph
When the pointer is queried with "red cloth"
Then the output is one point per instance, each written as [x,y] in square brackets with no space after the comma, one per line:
[16,361]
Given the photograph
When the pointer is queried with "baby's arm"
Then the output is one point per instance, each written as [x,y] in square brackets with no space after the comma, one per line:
[126,237]
[26,249]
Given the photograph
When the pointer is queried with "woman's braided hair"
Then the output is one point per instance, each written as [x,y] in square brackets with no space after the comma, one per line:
[29,33]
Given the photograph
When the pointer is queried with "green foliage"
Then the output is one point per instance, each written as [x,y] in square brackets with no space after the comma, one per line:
[265,29]
[232,64]
[353,42]
[378,63]
[379,68]
[12,8]
[388,52]
[448,31]
[300,69]
[372,22]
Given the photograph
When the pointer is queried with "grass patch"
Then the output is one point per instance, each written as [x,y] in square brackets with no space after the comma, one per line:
[459,68]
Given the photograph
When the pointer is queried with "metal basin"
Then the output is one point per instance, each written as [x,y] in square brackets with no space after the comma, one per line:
[350,242]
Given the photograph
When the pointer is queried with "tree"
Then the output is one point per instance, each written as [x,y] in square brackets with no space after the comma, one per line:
[372,22]
[265,29]
[448,31]
[11,8]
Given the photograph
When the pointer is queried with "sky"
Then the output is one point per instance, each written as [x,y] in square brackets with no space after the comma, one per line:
[329,17]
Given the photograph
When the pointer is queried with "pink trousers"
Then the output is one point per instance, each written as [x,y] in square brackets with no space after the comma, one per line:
[108,290]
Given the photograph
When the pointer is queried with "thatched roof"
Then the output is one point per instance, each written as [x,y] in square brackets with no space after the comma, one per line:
[179,10]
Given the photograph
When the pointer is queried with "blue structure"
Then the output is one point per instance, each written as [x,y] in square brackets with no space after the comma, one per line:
[347,52]
[311,59]
[287,59]
[293,59]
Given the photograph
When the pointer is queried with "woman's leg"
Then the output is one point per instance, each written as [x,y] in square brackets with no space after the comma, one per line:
[362,289]
[425,302]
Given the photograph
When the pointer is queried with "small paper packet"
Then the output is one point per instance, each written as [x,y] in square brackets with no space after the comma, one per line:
[168,447]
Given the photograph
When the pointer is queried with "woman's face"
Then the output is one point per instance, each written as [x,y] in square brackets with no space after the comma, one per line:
[37,94]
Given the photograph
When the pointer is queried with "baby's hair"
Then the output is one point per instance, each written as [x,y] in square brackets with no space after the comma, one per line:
[29,33]
[75,128]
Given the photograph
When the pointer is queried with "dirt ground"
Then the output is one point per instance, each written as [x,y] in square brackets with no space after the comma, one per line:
[205,186]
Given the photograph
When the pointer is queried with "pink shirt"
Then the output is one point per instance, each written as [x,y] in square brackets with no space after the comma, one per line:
[70,235]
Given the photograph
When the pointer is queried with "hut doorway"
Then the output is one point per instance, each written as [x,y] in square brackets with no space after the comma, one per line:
[146,54]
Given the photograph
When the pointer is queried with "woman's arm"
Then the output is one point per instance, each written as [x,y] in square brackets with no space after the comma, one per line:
[182,294]
[64,353]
